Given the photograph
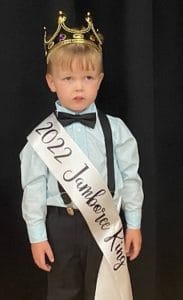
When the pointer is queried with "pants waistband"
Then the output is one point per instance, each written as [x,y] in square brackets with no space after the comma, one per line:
[65,210]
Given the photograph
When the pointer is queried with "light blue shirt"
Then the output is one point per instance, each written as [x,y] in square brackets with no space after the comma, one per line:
[41,188]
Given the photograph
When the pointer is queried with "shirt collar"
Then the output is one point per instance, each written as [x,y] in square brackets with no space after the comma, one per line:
[89,109]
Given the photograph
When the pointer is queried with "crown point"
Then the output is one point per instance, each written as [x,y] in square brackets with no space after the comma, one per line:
[62,18]
[88,17]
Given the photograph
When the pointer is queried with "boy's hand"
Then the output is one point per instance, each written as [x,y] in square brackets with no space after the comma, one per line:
[41,251]
[133,241]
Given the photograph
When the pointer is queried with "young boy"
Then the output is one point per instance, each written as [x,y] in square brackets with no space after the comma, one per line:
[65,240]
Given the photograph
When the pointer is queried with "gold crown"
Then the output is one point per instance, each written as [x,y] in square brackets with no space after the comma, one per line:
[65,35]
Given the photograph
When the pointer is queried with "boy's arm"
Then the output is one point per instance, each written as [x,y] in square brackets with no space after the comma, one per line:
[34,184]
[132,193]
[34,181]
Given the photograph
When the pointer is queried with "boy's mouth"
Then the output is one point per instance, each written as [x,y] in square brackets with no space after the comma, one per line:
[78,98]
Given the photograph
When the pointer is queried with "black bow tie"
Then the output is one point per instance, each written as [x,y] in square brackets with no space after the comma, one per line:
[86,119]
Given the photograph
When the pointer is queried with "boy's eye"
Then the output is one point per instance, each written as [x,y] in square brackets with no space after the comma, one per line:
[89,77]
[67,78]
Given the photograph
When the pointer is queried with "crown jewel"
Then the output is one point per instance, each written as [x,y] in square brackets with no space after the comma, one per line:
[65,35]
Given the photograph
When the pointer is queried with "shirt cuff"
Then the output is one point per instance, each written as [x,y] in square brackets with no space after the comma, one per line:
[133,218]
[37,233]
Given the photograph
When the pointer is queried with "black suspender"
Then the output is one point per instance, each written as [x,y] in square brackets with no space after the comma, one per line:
[109,156]
[109,150]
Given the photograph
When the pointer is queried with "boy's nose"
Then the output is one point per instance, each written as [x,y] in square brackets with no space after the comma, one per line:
[78,85]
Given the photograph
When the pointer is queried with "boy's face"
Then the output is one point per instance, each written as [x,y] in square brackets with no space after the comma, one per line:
[76,89]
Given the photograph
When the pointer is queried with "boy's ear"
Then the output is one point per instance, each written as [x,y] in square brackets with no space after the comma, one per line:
[101,76]
[50,82]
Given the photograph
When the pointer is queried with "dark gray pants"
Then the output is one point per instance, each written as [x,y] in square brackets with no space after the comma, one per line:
[77,257]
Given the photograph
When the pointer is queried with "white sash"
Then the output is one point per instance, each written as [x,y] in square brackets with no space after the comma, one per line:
[90,194]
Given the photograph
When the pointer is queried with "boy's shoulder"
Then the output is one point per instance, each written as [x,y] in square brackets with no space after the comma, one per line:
[118,126]
[27,146]
[116,121]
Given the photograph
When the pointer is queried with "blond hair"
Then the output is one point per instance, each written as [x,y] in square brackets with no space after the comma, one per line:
[88,57]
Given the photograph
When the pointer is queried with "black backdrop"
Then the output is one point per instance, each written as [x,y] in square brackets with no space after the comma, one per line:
[143,85]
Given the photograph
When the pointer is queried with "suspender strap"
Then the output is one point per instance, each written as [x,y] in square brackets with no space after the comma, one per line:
[109,150]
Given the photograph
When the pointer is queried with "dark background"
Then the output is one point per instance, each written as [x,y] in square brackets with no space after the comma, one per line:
[143,85]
